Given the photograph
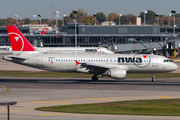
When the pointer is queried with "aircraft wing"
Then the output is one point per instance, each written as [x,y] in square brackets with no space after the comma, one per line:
[95,68]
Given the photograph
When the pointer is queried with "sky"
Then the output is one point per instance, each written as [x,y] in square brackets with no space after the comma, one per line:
[28,8]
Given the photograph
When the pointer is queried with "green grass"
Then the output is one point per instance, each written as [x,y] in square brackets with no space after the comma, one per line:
[79,75]
[163,107]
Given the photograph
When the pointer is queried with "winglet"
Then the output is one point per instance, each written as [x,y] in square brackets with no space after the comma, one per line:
[18,42]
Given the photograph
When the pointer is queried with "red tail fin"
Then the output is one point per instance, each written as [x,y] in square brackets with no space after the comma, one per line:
[18,41]
[44,31]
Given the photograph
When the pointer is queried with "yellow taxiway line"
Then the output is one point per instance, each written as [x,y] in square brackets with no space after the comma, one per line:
[7,89]
[51,114]
[50,102]
[101,99]
[163,96]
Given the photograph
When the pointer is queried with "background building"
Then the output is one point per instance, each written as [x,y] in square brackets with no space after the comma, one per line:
[118,38]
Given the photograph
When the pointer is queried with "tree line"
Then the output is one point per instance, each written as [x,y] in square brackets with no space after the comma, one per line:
[83,17]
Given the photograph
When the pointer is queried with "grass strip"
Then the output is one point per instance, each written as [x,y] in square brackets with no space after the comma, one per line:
[78,75]
[162,107]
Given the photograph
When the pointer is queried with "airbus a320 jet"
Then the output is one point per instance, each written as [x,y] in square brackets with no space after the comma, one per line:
[113,65]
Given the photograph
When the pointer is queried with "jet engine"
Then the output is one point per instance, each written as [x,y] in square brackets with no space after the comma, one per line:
[117,73]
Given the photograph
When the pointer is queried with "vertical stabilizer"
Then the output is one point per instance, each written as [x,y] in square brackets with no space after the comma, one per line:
[18,42]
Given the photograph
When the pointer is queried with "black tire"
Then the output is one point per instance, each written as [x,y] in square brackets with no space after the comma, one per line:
[94,78]
[154,80]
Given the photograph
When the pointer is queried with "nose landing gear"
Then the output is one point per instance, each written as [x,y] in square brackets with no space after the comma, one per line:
[153,77]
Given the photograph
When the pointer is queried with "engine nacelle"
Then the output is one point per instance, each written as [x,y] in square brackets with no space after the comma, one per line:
[117,73]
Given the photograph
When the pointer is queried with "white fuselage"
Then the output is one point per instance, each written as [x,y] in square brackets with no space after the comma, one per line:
[63,50]
[5,49]
[74,50]
[128,62]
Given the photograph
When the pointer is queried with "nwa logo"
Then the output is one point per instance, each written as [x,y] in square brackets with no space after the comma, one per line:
[17,41]
[4,48]
[90,50]
[140,61]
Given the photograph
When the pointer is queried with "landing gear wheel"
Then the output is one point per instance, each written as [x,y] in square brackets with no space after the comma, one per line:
[153,77]
[154,80]
[94,78]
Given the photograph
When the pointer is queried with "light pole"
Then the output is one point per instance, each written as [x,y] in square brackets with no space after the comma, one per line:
[169,20]
[39,15]
[157,15]
[94,18]
[17,18]
[63,19]
[75,12]
[34,18]
[174,12]
[57,15]
[120,19]
[145,12]
[8,109]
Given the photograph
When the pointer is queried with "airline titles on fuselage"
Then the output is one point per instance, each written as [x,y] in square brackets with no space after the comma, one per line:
[4,48]
[90,50]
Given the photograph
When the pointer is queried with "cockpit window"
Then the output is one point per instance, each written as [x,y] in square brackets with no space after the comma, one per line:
[167,60]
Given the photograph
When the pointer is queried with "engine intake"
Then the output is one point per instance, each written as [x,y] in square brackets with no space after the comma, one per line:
[117,73]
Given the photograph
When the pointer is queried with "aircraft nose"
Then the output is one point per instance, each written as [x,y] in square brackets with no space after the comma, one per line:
[174,67]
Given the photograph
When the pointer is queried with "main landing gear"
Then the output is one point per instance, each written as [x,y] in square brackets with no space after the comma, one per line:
[94,78]
[153,77]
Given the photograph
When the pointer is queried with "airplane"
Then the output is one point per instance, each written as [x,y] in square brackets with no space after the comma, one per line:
[113,65]
[40,32]
[62,50]
[74,50]
[5,49]
[45,31]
